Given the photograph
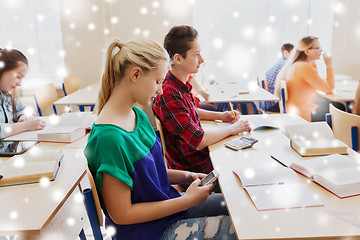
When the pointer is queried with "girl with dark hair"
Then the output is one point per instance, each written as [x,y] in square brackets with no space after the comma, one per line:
[13,68]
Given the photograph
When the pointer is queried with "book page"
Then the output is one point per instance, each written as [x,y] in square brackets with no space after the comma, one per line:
[294,195]
[285,155]
[340,177]
[261,176]
[325,163]
[309,131]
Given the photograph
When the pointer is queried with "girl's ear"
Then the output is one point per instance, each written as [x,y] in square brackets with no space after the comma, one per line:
[135,72]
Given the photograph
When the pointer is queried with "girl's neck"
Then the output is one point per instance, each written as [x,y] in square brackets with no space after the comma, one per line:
[181,75]
[118,110]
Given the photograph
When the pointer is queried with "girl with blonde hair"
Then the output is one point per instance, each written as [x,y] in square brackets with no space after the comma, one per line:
[302,80]
[125,157]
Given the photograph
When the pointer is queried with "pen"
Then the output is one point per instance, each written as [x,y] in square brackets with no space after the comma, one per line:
[232,110]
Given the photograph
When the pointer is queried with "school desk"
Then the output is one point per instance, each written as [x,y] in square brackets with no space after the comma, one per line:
[56,211]
[83,97]
[237,95]
[337,219]
[344,92]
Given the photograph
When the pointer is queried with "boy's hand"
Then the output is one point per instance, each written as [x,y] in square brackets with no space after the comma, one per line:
[228,116]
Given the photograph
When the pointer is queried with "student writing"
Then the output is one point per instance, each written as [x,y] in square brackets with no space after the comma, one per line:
[186,142]
[13,68]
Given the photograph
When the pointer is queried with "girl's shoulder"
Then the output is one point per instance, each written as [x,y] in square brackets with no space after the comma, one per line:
[302,64]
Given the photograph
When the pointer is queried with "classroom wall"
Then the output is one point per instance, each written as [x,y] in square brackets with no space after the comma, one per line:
[88,26]
[346,39]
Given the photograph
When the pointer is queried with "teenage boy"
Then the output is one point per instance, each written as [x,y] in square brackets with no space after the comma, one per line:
[186,142]
[273,72]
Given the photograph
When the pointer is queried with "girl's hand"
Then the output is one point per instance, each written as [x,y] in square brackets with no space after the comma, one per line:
[327,60]
[228,116]
[196,194]
[191,176]
[36,124]
[23,118]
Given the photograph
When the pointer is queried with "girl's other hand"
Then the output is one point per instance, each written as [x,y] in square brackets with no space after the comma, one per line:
[36,124]
[196,194]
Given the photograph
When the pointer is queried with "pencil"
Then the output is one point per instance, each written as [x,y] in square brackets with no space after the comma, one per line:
[232,110]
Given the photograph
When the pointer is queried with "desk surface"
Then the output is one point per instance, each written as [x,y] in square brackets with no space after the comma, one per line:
[344,91]
[329,221]
[234,93]
[84,96]
[28,209]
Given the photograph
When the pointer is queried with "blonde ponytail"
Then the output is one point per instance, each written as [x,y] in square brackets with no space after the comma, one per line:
[107,81]
[143,53]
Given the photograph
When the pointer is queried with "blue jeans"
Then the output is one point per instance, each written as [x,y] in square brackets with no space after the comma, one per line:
[210,220]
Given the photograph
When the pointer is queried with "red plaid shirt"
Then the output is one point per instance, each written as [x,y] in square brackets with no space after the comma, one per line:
[176,110]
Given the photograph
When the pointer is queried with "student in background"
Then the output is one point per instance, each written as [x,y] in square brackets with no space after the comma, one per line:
[302,81]
[125,157]
[13,68]
[186,141]
[271,74]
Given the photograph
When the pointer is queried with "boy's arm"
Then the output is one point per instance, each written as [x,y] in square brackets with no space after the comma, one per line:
[212,136]
[226,116]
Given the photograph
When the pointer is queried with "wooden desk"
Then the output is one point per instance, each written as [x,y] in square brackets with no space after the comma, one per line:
[86,97]
[236,94]
[344,92]
[255,95]
[327,222]
[53,212]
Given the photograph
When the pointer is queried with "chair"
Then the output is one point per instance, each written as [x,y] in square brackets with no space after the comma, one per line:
[93,208]
[45,96]
[345,126]
[71,84]
[263,85]
[159,128]
[225,107]
[283,96]
[163,145]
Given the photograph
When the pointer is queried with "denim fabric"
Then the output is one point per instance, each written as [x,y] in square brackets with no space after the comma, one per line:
[209,220]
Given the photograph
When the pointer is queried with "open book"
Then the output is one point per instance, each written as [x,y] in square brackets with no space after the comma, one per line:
[276,188]
[30,167]
[337,173]
[314,139]
[65,128]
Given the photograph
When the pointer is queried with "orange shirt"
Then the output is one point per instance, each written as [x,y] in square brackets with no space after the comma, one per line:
[302,83]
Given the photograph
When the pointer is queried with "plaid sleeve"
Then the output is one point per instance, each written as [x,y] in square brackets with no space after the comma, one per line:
[175,114]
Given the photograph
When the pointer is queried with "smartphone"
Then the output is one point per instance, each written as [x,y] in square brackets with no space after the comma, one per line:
[210,178]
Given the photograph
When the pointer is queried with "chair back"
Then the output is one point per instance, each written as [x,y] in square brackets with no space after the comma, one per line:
[71,84]
[344,126]
[93,208]
[283,96]
[45,96]
[161,133]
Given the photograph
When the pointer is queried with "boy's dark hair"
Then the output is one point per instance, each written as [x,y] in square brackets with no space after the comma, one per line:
[287,46]
[178,40]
